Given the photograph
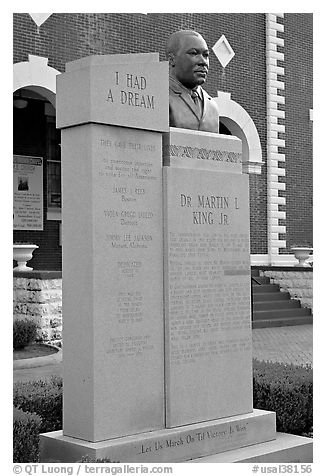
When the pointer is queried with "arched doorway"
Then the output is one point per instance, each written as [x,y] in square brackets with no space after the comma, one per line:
[235,120]
[224,129]
[37,141]
[35,135]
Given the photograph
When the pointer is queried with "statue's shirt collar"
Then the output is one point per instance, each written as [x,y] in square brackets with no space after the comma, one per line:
[180,88]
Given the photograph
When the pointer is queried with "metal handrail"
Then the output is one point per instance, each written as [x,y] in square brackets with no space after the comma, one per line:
[252,304]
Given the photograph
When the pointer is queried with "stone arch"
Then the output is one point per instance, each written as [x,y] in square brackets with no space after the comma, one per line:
[240,124]
[36,75]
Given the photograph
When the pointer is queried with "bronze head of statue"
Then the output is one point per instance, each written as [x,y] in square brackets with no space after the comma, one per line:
[190,106]
[188,58]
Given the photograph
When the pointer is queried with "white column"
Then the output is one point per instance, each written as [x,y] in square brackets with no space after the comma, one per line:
[274,171]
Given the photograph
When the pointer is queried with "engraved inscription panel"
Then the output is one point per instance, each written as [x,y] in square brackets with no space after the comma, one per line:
[207,283]
[128,244]
[113,282]
[123,94]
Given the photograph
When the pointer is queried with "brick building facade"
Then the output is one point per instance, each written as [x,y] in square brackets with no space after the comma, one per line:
[269,79]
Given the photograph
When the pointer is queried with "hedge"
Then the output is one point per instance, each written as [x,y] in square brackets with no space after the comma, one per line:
[41,397]
[24,332]
[26,436]
[287,390]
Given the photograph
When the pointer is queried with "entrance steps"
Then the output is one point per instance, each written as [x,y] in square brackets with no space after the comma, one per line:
[272,307]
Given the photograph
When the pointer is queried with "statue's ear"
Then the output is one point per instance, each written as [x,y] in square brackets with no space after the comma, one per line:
[171,59]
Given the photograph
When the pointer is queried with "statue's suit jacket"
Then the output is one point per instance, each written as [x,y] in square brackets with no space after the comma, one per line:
[184,114]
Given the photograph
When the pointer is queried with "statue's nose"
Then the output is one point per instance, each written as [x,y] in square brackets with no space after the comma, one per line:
[203,60]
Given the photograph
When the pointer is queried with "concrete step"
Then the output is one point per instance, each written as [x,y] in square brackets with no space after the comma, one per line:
[290,321]
[281,313]
[272,307]
[286,448]
[265,288]
[282,304]
[281,296]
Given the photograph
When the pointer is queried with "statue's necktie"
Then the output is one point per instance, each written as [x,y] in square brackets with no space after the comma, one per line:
[195,97]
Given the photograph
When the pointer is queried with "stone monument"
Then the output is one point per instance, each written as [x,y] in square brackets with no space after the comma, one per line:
[207,280]
[112,232]
[156,278]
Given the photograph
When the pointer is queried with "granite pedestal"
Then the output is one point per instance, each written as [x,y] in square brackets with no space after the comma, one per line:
[157,359]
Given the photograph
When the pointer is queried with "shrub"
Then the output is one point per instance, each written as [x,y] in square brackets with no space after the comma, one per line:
[41,397]
[25,332]
[26,436]
[286,390]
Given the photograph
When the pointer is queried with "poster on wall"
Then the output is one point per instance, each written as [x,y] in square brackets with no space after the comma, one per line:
[28,193]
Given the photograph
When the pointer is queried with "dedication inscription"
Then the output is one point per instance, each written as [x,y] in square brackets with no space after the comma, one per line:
[124,202]
[208,322]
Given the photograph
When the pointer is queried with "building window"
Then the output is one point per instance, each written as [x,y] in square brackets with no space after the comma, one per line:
[53,156]
[54,184]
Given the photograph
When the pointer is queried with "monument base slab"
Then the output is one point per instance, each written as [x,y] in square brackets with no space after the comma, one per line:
[167,445]
[285,448]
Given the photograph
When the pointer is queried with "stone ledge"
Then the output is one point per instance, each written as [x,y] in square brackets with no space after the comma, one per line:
[304,269]
[39,361]
[173,445]
[285,448]
[38,274]
[37,295]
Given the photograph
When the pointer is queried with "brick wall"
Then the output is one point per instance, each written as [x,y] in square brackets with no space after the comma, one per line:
[66,37]
[298,99]
[48,255]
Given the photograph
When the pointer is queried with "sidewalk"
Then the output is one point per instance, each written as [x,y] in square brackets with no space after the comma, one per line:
[292,344]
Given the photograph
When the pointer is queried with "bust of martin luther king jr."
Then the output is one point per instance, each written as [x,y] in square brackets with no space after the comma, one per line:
[190,107]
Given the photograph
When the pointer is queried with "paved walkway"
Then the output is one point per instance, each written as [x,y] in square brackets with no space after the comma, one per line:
[38,373]
[292,344]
